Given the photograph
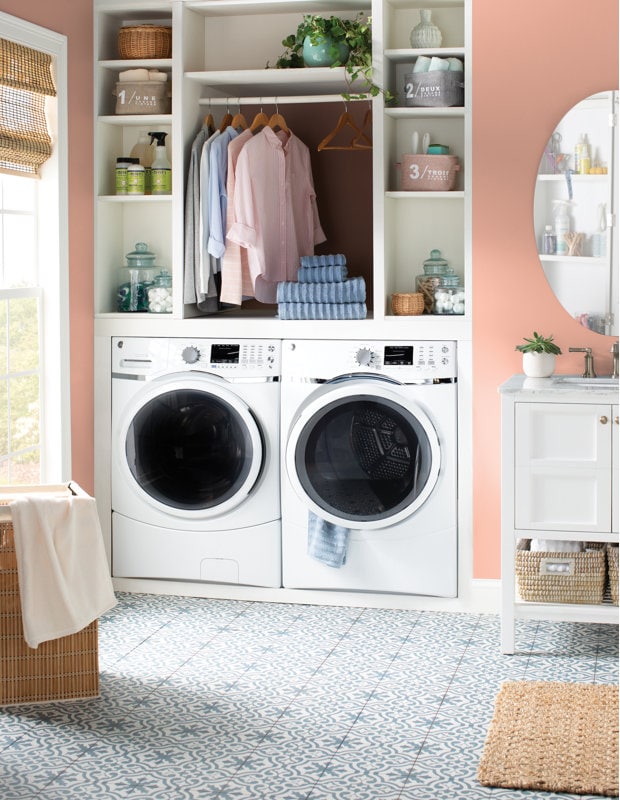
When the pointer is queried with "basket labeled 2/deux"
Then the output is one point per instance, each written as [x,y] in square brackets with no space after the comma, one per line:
[60,669]
[434,89]
[550,577]
[428,173]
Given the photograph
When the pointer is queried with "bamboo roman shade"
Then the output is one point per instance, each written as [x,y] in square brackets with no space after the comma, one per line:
[25,80]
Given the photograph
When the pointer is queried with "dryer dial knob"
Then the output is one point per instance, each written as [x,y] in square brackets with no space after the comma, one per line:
[364,357]
[190,355]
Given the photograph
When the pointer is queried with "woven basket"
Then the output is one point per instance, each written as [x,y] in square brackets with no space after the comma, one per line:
[546,577]
[59,669]
[612,571]
[407,304]
[145,41]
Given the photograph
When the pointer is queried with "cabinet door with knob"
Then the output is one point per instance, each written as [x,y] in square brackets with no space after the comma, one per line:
[564,465]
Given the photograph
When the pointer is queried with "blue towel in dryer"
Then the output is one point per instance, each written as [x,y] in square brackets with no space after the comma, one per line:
[327,542]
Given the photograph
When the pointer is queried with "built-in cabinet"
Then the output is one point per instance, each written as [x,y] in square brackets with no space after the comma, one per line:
[559,482]
[219,54]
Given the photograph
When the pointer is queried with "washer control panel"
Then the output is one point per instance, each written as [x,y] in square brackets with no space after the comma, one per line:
[404,361]
[239,358]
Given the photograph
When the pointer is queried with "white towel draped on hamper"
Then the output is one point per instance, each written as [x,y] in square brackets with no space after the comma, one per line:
[64,580]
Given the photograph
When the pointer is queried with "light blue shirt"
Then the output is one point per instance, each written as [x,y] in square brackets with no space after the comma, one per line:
[218,197]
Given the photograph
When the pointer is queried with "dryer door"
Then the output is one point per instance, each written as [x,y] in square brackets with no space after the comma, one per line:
[190,446]
[359,454]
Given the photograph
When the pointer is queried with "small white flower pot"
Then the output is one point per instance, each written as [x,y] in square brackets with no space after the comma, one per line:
[538,365]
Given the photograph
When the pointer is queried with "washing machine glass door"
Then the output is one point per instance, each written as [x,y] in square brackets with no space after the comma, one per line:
[191,448]
[360,455]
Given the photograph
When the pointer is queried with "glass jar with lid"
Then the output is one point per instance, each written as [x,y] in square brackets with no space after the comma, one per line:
[450,296]
[160,293]
[430,279]
[135,279]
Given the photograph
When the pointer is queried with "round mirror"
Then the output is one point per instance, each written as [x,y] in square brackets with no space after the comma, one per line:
[575,206]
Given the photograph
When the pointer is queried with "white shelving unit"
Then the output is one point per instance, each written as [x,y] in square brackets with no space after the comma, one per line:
[559,481]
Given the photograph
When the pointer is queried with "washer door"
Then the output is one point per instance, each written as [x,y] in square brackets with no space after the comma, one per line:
[359,457]
[191,447]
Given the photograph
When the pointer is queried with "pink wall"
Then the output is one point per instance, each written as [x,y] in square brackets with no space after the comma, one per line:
[529,67]
[75,20]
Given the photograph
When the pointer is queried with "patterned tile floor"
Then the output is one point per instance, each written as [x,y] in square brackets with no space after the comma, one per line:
[231,700]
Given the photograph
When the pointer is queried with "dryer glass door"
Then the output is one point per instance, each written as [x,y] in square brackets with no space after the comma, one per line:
[189,449]
[365,460]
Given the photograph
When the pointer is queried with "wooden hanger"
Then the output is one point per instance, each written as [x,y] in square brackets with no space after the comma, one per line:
[209,123]
[345,121]
[362,141]
[277,121]
[239,122]
[226,120]
[260,121]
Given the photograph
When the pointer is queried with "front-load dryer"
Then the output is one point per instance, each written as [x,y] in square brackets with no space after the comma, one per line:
[369,456]
[195,460]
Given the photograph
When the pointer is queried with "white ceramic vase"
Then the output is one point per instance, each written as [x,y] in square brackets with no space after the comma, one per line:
[538,365]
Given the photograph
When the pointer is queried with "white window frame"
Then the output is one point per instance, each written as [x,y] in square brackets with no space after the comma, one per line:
[53,251]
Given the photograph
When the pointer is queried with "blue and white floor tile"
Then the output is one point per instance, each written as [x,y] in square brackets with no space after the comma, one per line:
[230,700]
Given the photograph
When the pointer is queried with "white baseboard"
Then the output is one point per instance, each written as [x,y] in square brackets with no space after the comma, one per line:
[483,596]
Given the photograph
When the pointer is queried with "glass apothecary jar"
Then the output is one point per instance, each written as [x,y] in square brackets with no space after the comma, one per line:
[135,279]
[160,294]
[426,283]
[450,296]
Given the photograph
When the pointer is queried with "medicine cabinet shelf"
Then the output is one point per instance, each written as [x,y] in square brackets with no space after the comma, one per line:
[575,178]
[575,259]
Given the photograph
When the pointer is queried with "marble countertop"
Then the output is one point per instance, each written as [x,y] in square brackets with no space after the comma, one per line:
[554,388]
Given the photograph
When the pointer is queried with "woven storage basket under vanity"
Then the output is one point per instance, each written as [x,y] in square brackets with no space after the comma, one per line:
[59,669]
[547,577]
[612,571]
[407,303]
[145,41]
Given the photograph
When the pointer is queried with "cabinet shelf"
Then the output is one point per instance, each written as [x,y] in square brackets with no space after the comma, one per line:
[135,198]
[402,55]
[130,63]
[285,82]
[416,112]
[136,119]
[226,8]
[567,612]
[455,195]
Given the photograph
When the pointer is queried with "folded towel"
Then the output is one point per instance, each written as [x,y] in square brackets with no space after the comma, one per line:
[156,75]
[323,261]
[333,273]
[138,74]
[327,542]
[349,291]
[322,310]
[555,546]
[64,580]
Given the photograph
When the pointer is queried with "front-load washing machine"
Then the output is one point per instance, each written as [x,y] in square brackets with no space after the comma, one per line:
[195,460]
[369,454]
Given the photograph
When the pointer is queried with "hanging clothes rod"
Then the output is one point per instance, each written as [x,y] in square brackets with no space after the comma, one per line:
[278,100]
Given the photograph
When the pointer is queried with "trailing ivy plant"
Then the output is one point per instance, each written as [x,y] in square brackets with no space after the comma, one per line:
[356,33]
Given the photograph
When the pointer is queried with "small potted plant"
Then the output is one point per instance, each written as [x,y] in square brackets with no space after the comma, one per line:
[332,42]
[539,354]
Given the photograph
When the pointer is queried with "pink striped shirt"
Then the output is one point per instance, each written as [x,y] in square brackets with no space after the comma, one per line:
[275,210]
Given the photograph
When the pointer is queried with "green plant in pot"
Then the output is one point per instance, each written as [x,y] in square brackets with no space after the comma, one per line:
[539,354]
[333,42]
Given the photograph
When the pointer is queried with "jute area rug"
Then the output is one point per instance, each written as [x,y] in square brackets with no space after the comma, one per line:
[558,737]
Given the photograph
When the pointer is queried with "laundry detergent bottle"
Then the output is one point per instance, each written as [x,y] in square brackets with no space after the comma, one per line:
[161,171]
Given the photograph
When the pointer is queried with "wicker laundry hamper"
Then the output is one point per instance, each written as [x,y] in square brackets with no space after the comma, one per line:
[60,669]
[612,571]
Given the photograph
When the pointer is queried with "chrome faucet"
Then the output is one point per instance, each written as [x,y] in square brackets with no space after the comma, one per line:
[614,353]
[588,360]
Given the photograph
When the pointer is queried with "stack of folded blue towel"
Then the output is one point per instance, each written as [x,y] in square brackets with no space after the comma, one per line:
[322,291]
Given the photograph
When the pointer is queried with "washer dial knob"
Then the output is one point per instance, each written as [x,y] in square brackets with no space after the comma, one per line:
[365,357]
[190,354]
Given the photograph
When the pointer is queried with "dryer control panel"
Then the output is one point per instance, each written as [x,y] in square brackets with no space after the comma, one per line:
[405,361]
[242,358]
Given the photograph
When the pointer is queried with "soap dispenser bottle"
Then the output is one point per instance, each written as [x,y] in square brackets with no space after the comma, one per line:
[143,151]
[161,172]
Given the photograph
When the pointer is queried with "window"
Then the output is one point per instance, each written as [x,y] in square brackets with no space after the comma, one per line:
[34,341]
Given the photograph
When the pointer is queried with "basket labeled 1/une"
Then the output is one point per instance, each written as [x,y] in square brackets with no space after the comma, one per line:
[428,173]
